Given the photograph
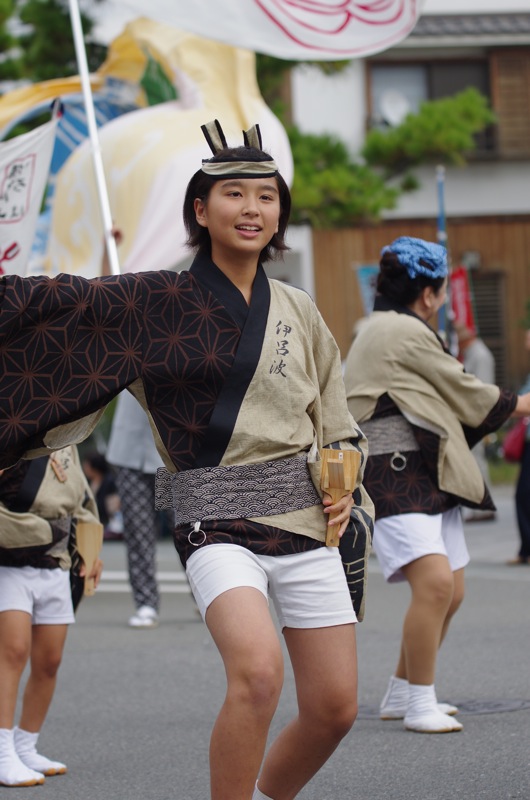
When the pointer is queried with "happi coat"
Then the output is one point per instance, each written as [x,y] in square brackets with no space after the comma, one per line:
[41,503]
[423,413]
[223,383]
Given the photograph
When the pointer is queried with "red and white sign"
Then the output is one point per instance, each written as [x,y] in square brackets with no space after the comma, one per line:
[24,166]
[462,298]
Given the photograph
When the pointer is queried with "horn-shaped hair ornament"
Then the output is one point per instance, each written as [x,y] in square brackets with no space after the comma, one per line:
[254,164]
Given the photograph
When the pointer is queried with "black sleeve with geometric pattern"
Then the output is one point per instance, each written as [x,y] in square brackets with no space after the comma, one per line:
[68,345]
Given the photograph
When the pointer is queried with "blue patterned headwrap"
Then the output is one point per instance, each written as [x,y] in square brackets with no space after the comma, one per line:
[409,251]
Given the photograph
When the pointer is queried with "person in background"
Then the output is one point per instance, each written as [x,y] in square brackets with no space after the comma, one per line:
[102,481]
[421,413]
[41,502]
[478,360]
[522,490]
[132,451]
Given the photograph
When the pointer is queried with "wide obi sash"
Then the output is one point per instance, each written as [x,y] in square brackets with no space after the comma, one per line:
[389,434]
[236,492]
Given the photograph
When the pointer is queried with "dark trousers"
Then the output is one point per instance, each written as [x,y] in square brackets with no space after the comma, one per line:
[522,503]
[140,532]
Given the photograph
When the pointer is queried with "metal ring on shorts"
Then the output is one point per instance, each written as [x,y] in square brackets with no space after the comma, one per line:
[398,461]
[196,530]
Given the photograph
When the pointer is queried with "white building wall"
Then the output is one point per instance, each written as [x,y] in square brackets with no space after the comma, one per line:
[333,104]
[336,104]
[475,190]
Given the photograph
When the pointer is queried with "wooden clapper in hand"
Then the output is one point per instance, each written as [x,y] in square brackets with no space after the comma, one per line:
[89,540]
[338,478]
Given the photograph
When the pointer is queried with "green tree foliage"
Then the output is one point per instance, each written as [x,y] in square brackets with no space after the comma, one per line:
[9,65]
[49,50]
[329,189]
[441,132]
[332,189]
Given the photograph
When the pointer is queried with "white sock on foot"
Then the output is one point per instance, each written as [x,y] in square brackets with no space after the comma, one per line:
[259,795]
[26,747]
[394,703]
[423,714]
[396,699]
[12,771]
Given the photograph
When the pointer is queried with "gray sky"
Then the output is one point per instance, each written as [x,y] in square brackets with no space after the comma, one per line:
[475,6]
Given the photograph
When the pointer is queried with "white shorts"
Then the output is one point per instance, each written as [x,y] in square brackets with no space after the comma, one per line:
[43,593]
[403,538]
[309,590]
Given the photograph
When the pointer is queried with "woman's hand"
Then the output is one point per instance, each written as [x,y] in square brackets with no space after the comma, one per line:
[95,572]
[522,409]
[341,508]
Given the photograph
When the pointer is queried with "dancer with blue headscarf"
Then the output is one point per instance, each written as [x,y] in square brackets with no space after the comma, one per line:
[421,414]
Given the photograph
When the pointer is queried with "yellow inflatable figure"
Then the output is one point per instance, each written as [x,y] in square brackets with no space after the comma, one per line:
[150,154]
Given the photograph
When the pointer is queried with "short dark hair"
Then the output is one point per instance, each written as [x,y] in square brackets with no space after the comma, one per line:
[97,461]
[394,282]
[200,185]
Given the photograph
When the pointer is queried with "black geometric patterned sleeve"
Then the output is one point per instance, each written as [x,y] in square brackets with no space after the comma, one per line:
[500,412]
[67,347]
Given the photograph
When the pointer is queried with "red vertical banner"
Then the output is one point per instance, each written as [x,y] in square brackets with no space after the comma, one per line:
[461,298]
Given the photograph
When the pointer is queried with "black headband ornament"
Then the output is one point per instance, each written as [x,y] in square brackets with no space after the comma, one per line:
[262,166]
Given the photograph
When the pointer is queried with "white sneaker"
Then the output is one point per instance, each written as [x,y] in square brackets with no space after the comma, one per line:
[145,617]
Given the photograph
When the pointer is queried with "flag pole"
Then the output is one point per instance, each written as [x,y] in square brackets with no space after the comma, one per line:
[77,30]
[445,315]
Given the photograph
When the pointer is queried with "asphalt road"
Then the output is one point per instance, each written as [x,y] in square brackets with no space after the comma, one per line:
[134,708]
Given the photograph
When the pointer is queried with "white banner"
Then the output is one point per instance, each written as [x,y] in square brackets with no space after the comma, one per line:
[309,30]
[24,166]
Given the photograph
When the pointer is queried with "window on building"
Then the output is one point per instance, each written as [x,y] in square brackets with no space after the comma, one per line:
[399,88]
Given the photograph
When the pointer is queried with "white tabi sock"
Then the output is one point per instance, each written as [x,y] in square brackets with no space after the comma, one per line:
[26,747]
[423,714]
[12,771]
[259,795]
[396,700]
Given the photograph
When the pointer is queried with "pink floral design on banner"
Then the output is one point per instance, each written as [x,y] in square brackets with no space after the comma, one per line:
[328,24]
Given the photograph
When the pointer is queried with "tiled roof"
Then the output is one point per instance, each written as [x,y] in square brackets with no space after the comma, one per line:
[471,25]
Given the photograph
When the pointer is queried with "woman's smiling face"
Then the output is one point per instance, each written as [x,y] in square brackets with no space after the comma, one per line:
[241,215]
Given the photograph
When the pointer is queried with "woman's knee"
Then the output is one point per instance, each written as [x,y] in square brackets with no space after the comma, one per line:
[16,654]
[48,667]
[457,596]
[436,588]
[258,683]
[333,715]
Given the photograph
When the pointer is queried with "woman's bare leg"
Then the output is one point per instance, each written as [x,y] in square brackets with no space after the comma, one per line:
[456,600]
[242,628]
[325,668]
[47,645]
[432,586]
[15,645]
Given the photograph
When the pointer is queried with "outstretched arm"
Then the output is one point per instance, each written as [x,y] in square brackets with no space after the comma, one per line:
[67,347]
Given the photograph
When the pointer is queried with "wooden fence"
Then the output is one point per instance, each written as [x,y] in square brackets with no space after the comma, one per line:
[501,283]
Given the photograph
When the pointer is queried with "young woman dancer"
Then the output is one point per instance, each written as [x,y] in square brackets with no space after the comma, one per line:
[422,414]
[41,502]
[242,382]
